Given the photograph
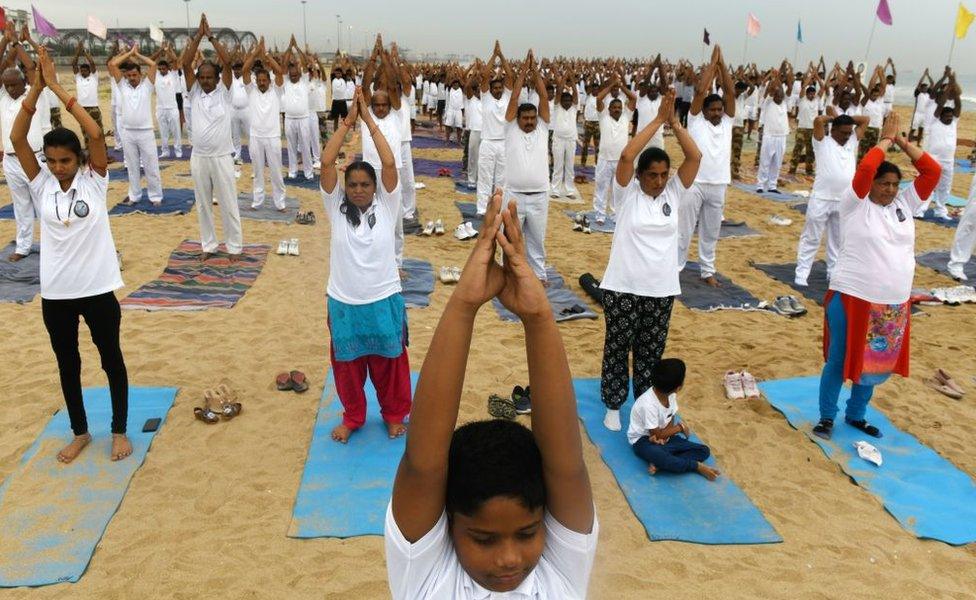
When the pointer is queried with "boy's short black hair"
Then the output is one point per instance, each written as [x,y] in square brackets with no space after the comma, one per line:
[494,458]
[668,375]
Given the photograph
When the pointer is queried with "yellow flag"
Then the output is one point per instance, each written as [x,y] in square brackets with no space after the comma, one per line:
[963,21]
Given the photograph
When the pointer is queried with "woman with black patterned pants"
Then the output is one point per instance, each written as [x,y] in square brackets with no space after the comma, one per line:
[641,279]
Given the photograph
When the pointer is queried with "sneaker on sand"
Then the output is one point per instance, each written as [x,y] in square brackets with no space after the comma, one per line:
[283,247]
[734,389]
[522,400]
[472,232]
[460,232]
[578,222]
[456,274]
[293,247]
[446,276]
[428,229]
[749,386]
[438,227]
[611,420]
[798,309]
[783,306]
[780,220]
[586,225]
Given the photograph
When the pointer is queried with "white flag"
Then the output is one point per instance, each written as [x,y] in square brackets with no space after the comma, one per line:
[97,28]
[156,34]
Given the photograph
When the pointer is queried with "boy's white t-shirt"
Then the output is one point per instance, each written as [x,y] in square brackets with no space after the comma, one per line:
[429,568]
[648,413]
[614,134]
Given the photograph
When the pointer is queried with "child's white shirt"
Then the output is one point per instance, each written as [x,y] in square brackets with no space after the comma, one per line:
[648,413]
[429,568]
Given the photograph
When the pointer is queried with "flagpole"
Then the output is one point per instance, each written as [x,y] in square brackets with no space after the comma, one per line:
[874,24]
[952,48]
[745,46]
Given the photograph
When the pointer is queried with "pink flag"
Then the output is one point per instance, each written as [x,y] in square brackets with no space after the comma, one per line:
[884,13]
[97,28]
[42,25]
[752,25]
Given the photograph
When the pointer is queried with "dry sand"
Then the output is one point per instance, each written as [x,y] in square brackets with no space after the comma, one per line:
[206,516]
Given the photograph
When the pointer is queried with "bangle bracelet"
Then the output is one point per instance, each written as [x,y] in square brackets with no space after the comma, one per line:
[71,102]
[889,139]
[28,109]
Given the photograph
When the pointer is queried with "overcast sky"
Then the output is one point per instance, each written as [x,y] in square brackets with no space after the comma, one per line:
[920,36]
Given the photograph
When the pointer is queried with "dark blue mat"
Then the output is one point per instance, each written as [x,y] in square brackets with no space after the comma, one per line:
[50,538]
[561,298]
[938,260]
[176,201]
[698,295]
[685,507]
[419,284]
[123,173]
[929,496]
[20,281]
[302,182]
[346,488]
[462,187]
[469,212]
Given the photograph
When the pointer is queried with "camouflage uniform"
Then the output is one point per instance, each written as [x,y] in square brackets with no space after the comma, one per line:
[803,150]
[95,113]
[737,135]
[758,148]
[55,116]
[464,149]
[591,130]
[868,140]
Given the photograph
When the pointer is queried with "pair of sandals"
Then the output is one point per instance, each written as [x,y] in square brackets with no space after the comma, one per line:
[222,397]
[519,403]
[825,428]
[943,383]
[305,218]
[293,381]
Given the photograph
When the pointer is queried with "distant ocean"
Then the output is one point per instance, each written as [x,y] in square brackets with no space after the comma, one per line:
[905,88]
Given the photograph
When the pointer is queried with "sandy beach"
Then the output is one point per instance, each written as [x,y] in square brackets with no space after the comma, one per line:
[207,514]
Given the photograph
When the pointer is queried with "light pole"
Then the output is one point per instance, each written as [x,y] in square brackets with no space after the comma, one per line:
[187,4]
[305,22]
[349,41]
[338,33]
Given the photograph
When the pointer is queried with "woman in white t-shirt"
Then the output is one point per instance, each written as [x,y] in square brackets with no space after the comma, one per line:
[79,267]
[866,329]
[367,315]
[493,510]
[641,279]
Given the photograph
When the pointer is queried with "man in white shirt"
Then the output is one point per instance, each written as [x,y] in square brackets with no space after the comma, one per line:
[964,239]
[239,125]
[454,111]
[941,145]
[739,125]
[526,161]
[591,123]
[710,119]
[614,135]
[648,103]
[86,86]
[404,88]
[11,97]
[294,101]
[167,110]
[264,135]
[836,162]
[775,127]
[495,94]
[807,109]
[472,121]
[316,108]
[872,106]
[138,138]
[212,162]
[564,140]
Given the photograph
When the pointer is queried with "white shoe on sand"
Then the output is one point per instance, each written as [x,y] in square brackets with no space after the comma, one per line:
[446,276]
[293,247]
[472,232]
[283,247]
[612,420]
[734,389]
[868,452]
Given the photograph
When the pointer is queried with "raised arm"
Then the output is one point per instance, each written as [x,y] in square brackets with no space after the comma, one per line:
[820,126]
[274,66]
[631,98]
[97,154]
[602,94]
[328,177]
[75,58]
[728,86]
[692,161]
[628,156]
[190,53]
[226,74]
[249,63]
[703,85]
[150,63]
[388,172]
[18,131]
[113,65]
[513,101]
[540,88]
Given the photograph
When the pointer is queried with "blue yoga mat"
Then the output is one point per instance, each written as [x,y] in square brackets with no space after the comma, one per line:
[928,495]
[346,488]
[7,211]
[686,507]
[937,260]
[931,218]
[176,201]
[750,188]
[953,200]
[964,165]
[419,284]
[461,187]
[123,173]
[20,281]
[302,182]
[51,538]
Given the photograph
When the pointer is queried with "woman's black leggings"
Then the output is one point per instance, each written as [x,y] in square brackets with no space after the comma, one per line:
[103,316]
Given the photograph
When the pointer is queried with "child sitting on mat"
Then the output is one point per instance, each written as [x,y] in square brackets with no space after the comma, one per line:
[654,428]
[492,507]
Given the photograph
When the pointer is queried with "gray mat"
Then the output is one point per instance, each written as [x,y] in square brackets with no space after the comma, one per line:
[785,273]
[560,297]
[419,284]
[469,212]
[607,226]
[267,210]
[937,260]
[19,281]
[750,188]
[698,295]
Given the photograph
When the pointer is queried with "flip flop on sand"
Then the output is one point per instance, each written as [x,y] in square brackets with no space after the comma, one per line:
[733,386]
[501,408]
[284,383]
[206,415]
[945,379]
[298,382]
[943,388]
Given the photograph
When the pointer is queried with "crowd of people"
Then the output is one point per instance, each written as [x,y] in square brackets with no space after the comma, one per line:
[491,506]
